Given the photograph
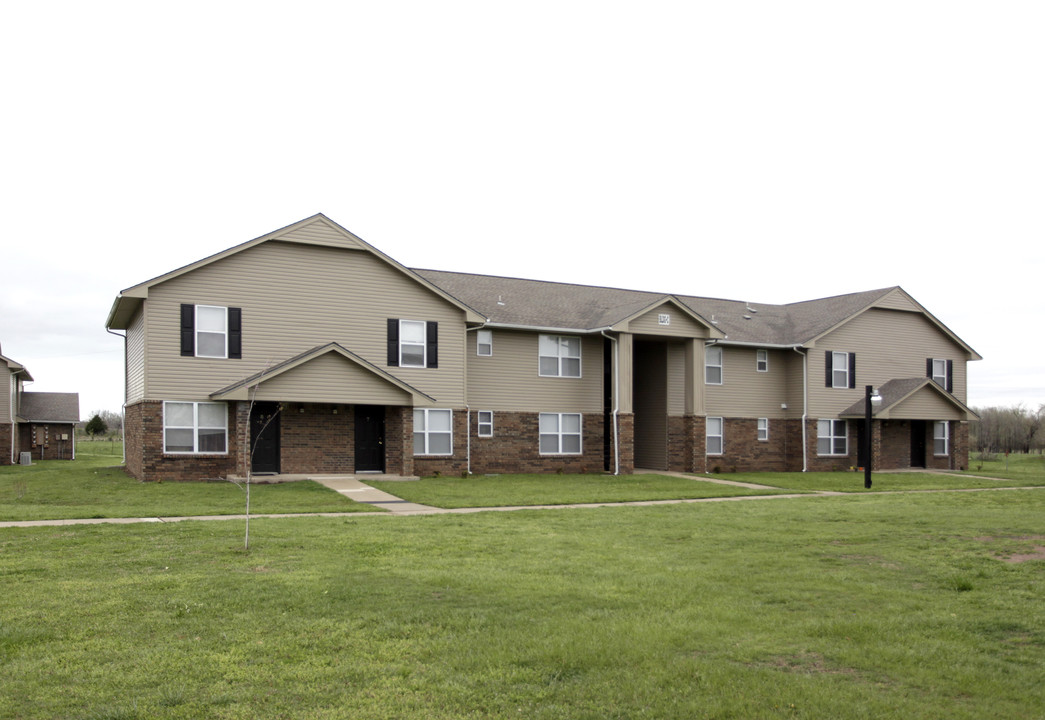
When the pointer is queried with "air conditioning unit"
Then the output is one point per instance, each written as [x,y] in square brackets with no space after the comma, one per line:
[25,458]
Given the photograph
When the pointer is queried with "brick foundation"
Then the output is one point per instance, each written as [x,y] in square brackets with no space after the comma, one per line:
[6,452]
[514,447]
[45,441]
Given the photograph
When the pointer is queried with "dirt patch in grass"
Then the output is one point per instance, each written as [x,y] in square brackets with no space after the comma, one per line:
[1035,553]
[807,663]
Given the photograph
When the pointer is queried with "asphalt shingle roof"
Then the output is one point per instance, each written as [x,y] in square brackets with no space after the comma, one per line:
[50,407]
[536,303]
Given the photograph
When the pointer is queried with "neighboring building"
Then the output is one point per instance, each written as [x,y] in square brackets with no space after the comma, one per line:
[309,351]
[39,423]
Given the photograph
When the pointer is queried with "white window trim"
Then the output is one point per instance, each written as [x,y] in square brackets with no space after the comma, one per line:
[559,356]
[763,429]
[487,424]
[560,434]
[480,344]
[721,435]
[720,365]
[197,331]
[940,379]
[946,438]
[832,436]
[426,433]
[423,344]
[835,369]
[761,359]
[195,427]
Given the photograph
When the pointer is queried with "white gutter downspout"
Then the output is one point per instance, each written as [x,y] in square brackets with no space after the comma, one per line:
[805,405]
[616,402]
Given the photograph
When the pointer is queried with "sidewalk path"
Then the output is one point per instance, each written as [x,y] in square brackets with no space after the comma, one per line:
[353,488]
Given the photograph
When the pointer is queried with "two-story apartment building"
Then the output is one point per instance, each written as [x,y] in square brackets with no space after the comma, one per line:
[39,423]
[309,351]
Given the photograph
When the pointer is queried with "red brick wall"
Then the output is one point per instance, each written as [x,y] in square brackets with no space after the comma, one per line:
[147,462]
[6,431]
[44,441]
[514,447]
[317,440]
[828,463]
[686,443]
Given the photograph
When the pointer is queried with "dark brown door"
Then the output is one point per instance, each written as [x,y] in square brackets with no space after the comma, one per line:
[370,438]
[264,438]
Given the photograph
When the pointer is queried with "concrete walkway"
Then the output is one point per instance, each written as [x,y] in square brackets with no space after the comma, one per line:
[352,487]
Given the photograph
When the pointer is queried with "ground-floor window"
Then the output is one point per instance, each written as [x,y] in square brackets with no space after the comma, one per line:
[832,437]
[715,436]
[433,432]
[560,433]
[941,438]
[763,429]
[485,420]
[195,427]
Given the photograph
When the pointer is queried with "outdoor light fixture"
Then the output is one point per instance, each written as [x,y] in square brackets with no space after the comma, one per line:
[871,399]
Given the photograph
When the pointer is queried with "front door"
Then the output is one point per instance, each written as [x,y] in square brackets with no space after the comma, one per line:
[918,443]
[264,438]
[370,438]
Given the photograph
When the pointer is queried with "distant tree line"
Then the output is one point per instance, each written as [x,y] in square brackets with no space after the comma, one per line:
[1011,429]
[103,423]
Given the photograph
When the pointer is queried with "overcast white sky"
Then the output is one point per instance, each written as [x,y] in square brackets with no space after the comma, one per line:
[760,151]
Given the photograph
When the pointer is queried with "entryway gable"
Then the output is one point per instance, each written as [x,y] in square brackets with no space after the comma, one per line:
[327,374]
[913,399]
[667,317]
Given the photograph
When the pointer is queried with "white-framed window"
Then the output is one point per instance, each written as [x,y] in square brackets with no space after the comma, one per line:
[939,372]
[763,429]
[716,441]
[412,343]
[484,419]
[762,360]
[212,331]
[840,370]
[941,438]
[195,428]
[560,433]
[484,343]
[559,356]
[713,365]
[832,437]
[433,431]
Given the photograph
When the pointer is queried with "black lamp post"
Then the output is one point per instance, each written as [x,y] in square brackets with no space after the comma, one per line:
[871,398]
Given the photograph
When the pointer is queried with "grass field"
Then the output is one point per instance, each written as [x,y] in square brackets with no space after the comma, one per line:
[93,486]
[916,606]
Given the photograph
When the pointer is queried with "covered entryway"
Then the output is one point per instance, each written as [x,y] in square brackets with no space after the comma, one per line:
[650,383]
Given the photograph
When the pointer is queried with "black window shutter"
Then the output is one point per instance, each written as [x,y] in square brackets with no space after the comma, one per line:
[827,365]
[393,342]
[950,376]
[852,370]
[235,333]
[928,367]
[188,330]
[432,344]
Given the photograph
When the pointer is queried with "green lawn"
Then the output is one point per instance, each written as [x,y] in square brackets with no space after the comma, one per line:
[512,490]
[92,487]
[855,606]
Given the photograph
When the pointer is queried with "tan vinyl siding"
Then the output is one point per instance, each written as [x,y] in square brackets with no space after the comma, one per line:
[294,298]
[320,233]
[135,389]
[888,345]
[508,380]
[744,391]
[923,405]
[897,300]
[680,324]
[7,383]
[676,379]
[332,378]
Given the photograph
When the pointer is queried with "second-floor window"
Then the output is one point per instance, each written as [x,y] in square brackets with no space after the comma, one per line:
[713,365]
[840,369]
[484,343]
[211,331]
[941,372]
[762,360]
[559,356]
[413,343]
